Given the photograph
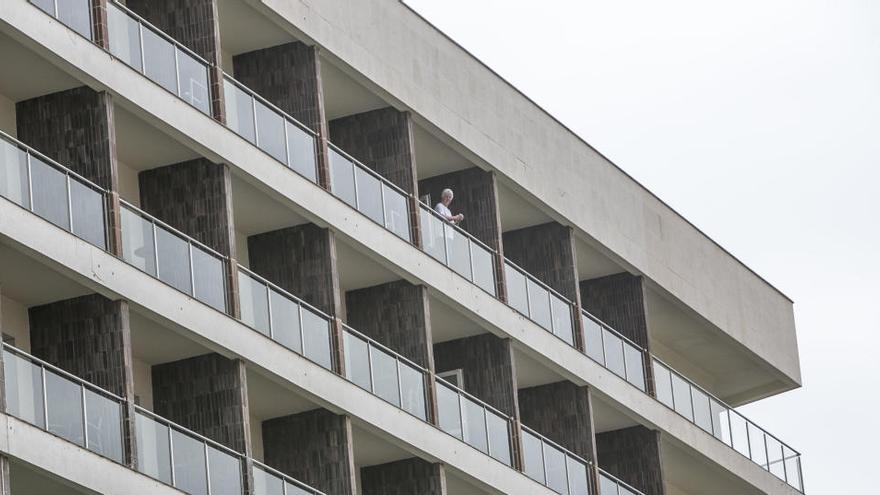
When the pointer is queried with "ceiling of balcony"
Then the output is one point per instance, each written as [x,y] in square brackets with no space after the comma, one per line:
[243,29]
[38,79]
[31,283]
[27,480]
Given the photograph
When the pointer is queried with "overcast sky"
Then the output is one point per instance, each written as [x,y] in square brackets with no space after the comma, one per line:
[759,121]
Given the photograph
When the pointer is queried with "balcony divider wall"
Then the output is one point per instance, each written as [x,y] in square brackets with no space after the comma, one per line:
[404,477]
[634,456]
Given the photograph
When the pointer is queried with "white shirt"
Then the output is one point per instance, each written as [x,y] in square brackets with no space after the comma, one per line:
[443,211]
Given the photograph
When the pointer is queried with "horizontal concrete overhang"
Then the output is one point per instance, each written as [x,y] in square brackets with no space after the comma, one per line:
[412,64]
[71,463]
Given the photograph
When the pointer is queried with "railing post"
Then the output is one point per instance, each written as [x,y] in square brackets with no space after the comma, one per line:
[129,434]
[415,221]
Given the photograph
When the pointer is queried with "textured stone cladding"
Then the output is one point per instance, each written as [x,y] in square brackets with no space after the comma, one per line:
[633,455]
[396,315]
[618,300]
[194,197]
[382,140]
[546,251]
[87,336]
[74,127]
[562,412]
[300,260]
[406,477]
[487,365]
[475,196]
[207,394]
[314,447]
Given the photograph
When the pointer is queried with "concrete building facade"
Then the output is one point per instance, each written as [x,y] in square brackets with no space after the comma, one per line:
[221,273]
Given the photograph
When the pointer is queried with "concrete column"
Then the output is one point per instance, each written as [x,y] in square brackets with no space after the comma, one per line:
[633,455]
[314,447]
[5,477]
[487,368]
[300,260]
[196,25]
[89,337]
[396,315]
[407,477]
[207,394]
[476,196]
[76,128]
[289,77]
[562,412]
[99,23]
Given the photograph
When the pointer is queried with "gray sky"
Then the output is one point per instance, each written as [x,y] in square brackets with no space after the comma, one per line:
[759,121]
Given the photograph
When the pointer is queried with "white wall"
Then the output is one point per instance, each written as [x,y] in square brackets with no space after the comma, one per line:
[257,438]
[128,184]
[15,322]
[143,383]
[7,115]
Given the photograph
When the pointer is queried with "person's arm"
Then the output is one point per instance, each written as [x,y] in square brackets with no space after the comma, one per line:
[444,212]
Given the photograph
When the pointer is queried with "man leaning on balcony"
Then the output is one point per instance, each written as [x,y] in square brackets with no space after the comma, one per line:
[442,208]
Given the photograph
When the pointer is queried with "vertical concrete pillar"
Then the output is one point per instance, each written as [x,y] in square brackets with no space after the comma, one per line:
[77,128]
[314,447]
[620,301]
[562,412]
[195,197]
[207,394]
[289,77]
[633,455]
[383,141]
[196,25]
[476,196]
[405,477]
[101,36]
[5,476]
[396,315]
[89,337]
[548,252]
[300,260]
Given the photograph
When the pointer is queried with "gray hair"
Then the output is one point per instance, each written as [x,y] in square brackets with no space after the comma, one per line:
[447,192]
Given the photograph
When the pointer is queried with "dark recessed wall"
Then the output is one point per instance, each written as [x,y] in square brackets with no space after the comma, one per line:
[619,300]
[546,251]
[406,477]
[562,412]
[633,455]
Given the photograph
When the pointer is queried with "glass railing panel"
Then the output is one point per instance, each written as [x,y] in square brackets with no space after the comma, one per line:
[539,304]
[75,14]
[316,338]
[517,292]
[14,174]
[369,195]
[635,365]
[614,353]
[193,78]
[498,429]
[448,410]
[239,111]
[266,483]
[284,314]
[153,448]
[357,360]
[775,460]
[473,416]
[702,410]
[125,37]
[342,178]
[458,251]
[385,379]
[561,314]
[396,212]
[301,152]
[209,276]
[533,457]
[64,408]
[254,301]
[412,391]
[159,60]
[681,397]
[578,477]
[792,465]
[433,235]
[484,268]
[47,6]
[87,214]
[720,423]
[188,462]
[607,486]
[555,467]
[270,132]
[757,444]
[172,255]
[24,389]
[224,472]
[739,434]
[138,243]
[49,188]
[593,346]
[104,426]
[663,384]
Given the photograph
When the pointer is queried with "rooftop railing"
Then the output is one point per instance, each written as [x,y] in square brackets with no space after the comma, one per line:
[540,303]
[54,192]
[369,193]
[614,351]
[165,61]
[721,421]
[473,421]
[285,318]
[75,14]
[271,129]
[553,466]
[457,249]
[609,485]
[173,257]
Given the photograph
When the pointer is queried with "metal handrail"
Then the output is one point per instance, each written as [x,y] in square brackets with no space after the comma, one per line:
[619,481]
[367,169]
[188,432]
[284,292]
[381,347]
[479,401]
[537,281]
[161,33]
[52,162]
[612,330]
[286,478]
[171,229]
[269,104]
[556,445]
[460,230]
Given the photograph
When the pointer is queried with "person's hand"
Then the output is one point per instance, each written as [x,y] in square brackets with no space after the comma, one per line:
[459,217]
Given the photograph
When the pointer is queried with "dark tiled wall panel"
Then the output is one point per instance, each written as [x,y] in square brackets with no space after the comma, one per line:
[87,336]
[618,300]
[74,127]
[194,23]
[382,140]
[633,455]
[314,447]
[301,260]
[546,251]
[487,364]
[407,477]
[194,197]
[395,314]
[476,196]
[562,412]
[207,394]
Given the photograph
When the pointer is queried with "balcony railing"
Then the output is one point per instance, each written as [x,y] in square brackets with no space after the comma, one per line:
[62,404]
[148,50]
[473,421]
[284,318]
[55,193]
[75,14]
[384,373]
[609,485]
[614,351]
[538,302]
[553,466]
[269,128]
[173,257]
[369,193]
[724,423]
[268,481]
[457,249]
